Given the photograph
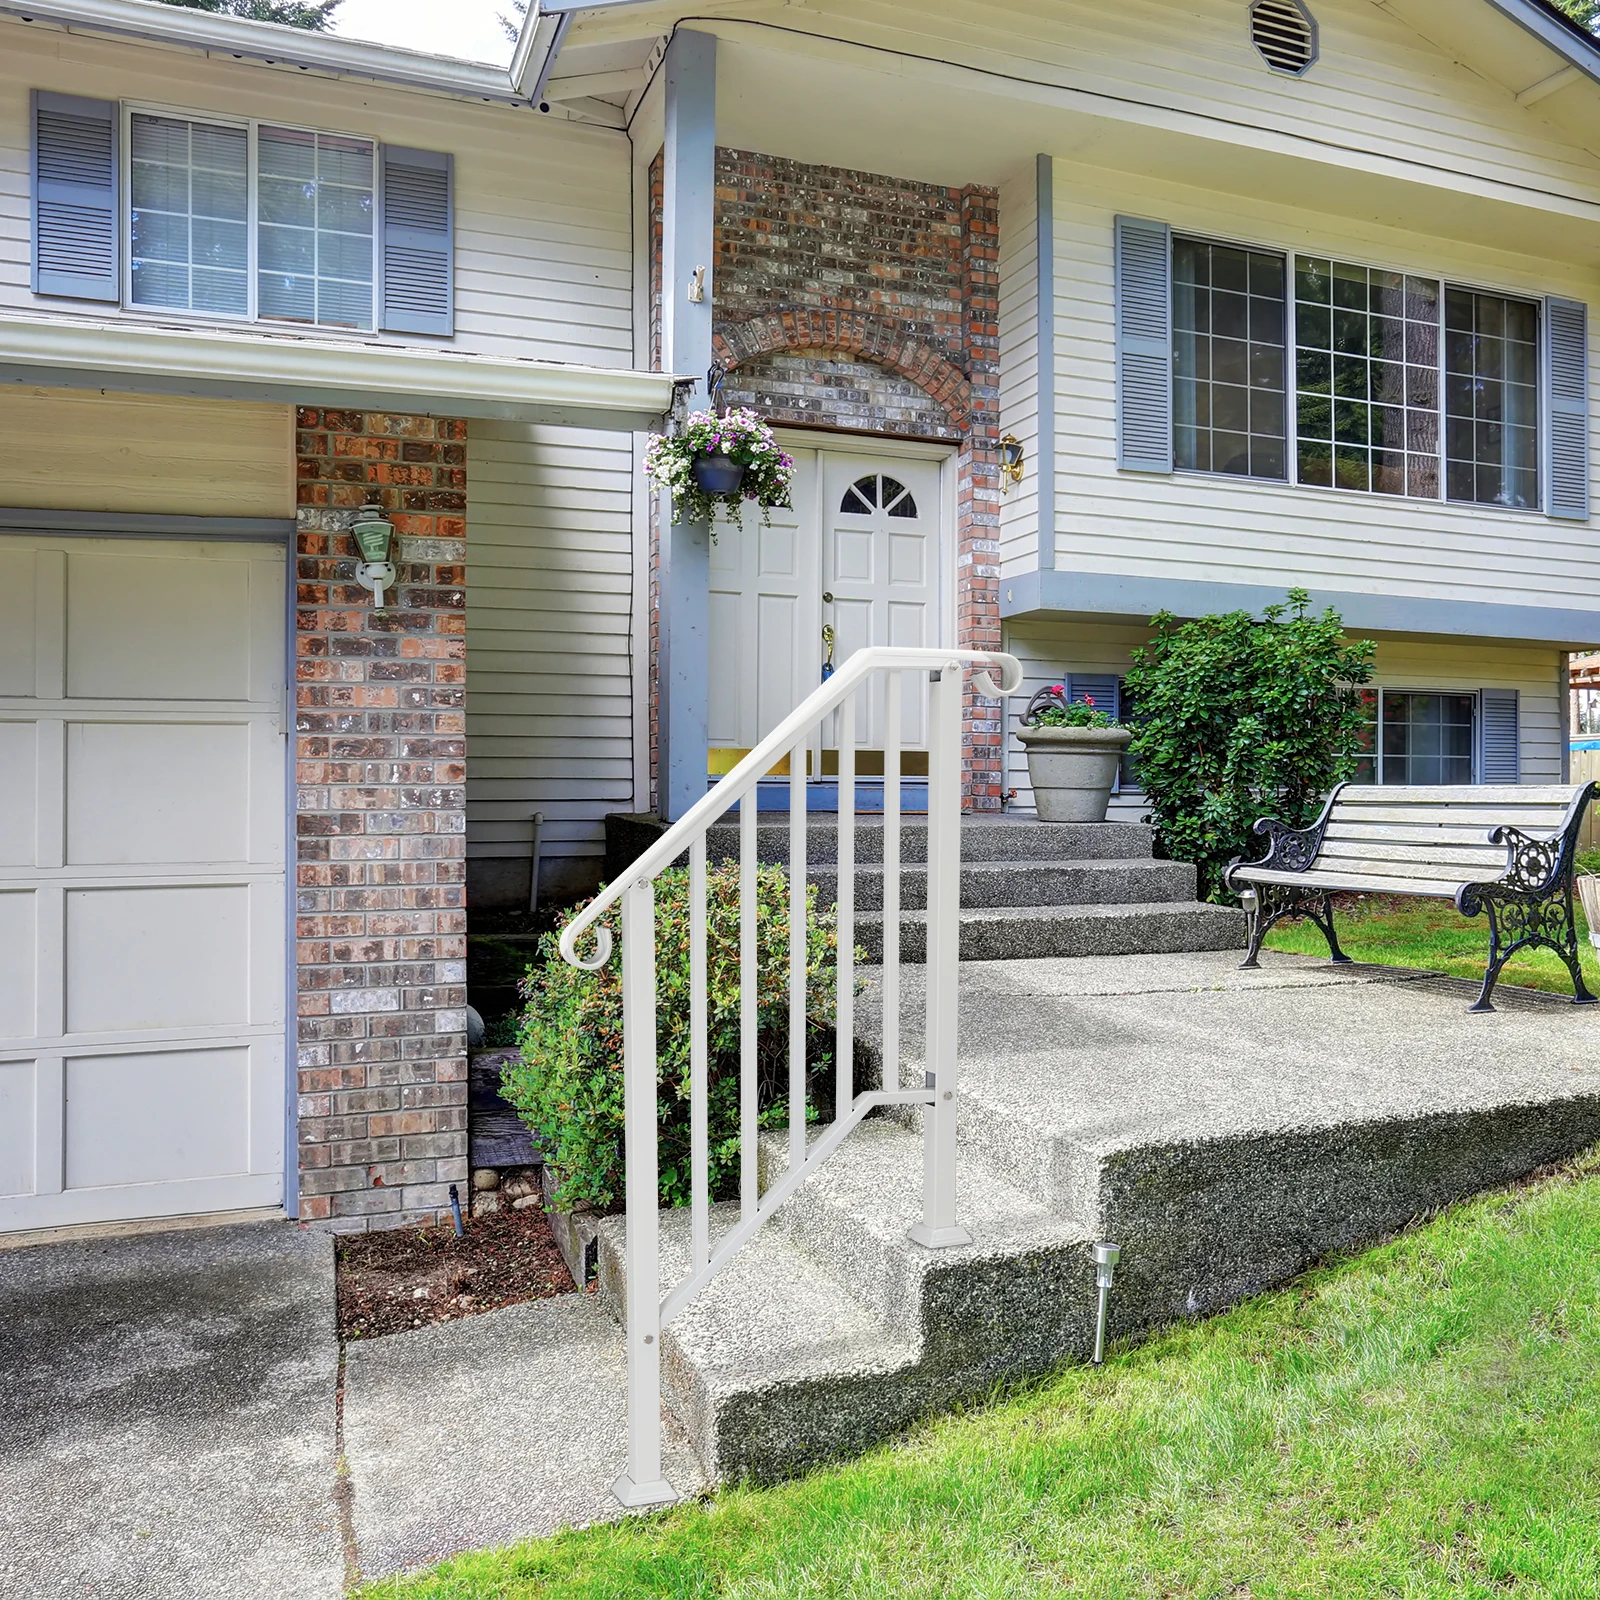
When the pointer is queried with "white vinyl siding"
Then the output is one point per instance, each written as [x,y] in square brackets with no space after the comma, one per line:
[1019,365]
[542,224]
[1213,529]
[1052,648]
[549,668]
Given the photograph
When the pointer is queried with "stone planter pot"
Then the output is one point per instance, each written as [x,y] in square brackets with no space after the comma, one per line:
[718,474]
[1073,770]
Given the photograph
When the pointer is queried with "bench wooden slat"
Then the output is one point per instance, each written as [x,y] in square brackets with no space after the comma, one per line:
[1469,858]
[1397,833]
[1353,882]
[1532,819]
[1559,794]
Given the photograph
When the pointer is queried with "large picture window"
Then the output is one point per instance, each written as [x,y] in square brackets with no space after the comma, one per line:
[1418,737]
[1229,401]
[253,221]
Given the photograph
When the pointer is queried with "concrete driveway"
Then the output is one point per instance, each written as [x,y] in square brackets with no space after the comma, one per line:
[167,1417]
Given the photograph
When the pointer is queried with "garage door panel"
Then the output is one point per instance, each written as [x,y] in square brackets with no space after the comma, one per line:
[119,1123]
[19,788]
[17,620]
[19,946]
[169,957]
[144,792]
[198,607]
[17,1121]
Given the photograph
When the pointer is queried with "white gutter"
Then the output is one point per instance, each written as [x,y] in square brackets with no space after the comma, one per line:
[276,44]
[359,377]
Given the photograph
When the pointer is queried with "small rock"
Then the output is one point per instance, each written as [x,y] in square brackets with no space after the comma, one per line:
[420,1294]
[485,1178]
[485,1205]
[526,1201]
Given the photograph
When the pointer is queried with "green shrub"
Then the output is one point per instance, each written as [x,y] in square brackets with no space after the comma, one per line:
[1239,717]
[568,1085]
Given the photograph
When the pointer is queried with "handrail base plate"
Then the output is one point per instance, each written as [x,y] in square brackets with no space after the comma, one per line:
[638,1495]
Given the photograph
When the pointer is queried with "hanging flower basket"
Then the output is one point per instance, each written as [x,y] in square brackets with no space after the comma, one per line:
[724,462]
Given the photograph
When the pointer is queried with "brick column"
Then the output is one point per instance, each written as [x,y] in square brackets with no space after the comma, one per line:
[381,803]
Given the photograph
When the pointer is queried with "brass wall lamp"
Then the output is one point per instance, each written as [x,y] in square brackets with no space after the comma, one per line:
[1012,456]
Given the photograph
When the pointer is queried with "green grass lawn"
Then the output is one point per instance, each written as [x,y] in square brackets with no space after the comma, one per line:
[1419,1421]
[1432,934]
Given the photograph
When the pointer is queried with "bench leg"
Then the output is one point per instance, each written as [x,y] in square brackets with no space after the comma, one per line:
[1324,920]
[1546,922]
[1268,904]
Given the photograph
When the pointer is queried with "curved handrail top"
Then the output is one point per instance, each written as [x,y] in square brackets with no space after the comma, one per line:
[748,773]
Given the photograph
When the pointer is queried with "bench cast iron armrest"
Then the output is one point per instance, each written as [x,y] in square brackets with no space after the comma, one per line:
[1288,849]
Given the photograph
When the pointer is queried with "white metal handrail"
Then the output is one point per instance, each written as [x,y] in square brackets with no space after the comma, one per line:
[647,1312]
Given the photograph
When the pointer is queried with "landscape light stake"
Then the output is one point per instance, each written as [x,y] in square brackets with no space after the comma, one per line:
[1106,1255]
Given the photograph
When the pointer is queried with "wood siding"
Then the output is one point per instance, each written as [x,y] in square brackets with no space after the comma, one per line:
[1211,528]
[1051,648]
[76,450]
[550,704]
[1019,365]
[543,232]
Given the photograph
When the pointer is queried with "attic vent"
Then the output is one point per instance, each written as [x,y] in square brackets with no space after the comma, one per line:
[1285,33]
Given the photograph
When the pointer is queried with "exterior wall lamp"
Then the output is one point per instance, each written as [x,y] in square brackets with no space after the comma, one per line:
[1012,456]
[373,534]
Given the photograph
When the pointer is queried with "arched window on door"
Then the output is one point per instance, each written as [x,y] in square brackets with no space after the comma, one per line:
[878,492]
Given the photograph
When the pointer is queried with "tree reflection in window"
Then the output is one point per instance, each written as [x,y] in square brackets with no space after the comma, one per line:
[878,492]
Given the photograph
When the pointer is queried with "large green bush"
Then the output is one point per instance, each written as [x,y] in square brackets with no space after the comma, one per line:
[1240,717]
[568,1085]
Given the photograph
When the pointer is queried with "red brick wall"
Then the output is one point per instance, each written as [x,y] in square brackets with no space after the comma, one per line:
[853,300]
[381,821]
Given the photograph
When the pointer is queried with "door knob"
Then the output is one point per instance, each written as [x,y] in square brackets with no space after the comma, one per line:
[827,599]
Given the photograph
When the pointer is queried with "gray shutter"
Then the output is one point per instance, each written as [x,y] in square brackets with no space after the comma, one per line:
[1499,738]
[418,258]
[1098,687]
[1144,345]
[75,223]
[1566,367]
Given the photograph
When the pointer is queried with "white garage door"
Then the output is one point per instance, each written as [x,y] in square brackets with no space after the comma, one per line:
[141,879]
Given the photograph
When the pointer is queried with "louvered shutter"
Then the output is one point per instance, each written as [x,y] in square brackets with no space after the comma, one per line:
[75,223]
[1144,345]
[1499,738]
[1100,688]
[1566,367]
[418,265]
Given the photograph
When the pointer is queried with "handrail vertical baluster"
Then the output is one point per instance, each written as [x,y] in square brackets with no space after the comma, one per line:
[845,922]
[699,1087]
[797,955]
[749,1087]
[893,705]
[942,962]
[642,1483]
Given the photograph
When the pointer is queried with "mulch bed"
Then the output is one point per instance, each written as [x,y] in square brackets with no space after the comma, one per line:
[406,1278]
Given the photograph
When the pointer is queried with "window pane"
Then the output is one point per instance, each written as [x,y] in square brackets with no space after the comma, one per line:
[317,217]
[1491,425]
[1427,738]
[1228,312]
[188,245]
[1371,338]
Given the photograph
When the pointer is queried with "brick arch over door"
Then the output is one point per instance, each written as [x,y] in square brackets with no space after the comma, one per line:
[853,333]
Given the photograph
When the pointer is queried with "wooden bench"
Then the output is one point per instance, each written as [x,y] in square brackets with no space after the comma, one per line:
[1507,853]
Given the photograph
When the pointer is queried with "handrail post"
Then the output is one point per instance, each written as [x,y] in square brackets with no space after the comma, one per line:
[642,1484]
[942,957]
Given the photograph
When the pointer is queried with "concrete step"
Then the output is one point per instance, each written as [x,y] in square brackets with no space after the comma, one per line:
[997,839]
[1114,880]
[1012,933]
[834,1331]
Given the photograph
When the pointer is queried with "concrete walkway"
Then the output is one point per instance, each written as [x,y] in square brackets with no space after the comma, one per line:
[167,1417]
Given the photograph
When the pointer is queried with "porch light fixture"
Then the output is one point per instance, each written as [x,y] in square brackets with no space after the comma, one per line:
[373,535]
[1012,456]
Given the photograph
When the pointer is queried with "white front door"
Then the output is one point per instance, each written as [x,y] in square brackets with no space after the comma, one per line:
[858,554]
[142,913]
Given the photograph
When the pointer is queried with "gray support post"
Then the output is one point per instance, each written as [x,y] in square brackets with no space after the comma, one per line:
[1045,364]
[689,189]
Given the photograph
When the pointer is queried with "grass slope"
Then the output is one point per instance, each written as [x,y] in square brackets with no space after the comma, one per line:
[1419,1421]
[1433,935]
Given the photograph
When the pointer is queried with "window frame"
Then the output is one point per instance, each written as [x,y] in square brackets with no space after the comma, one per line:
[252,316]
[1292,255]
[1380,690]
